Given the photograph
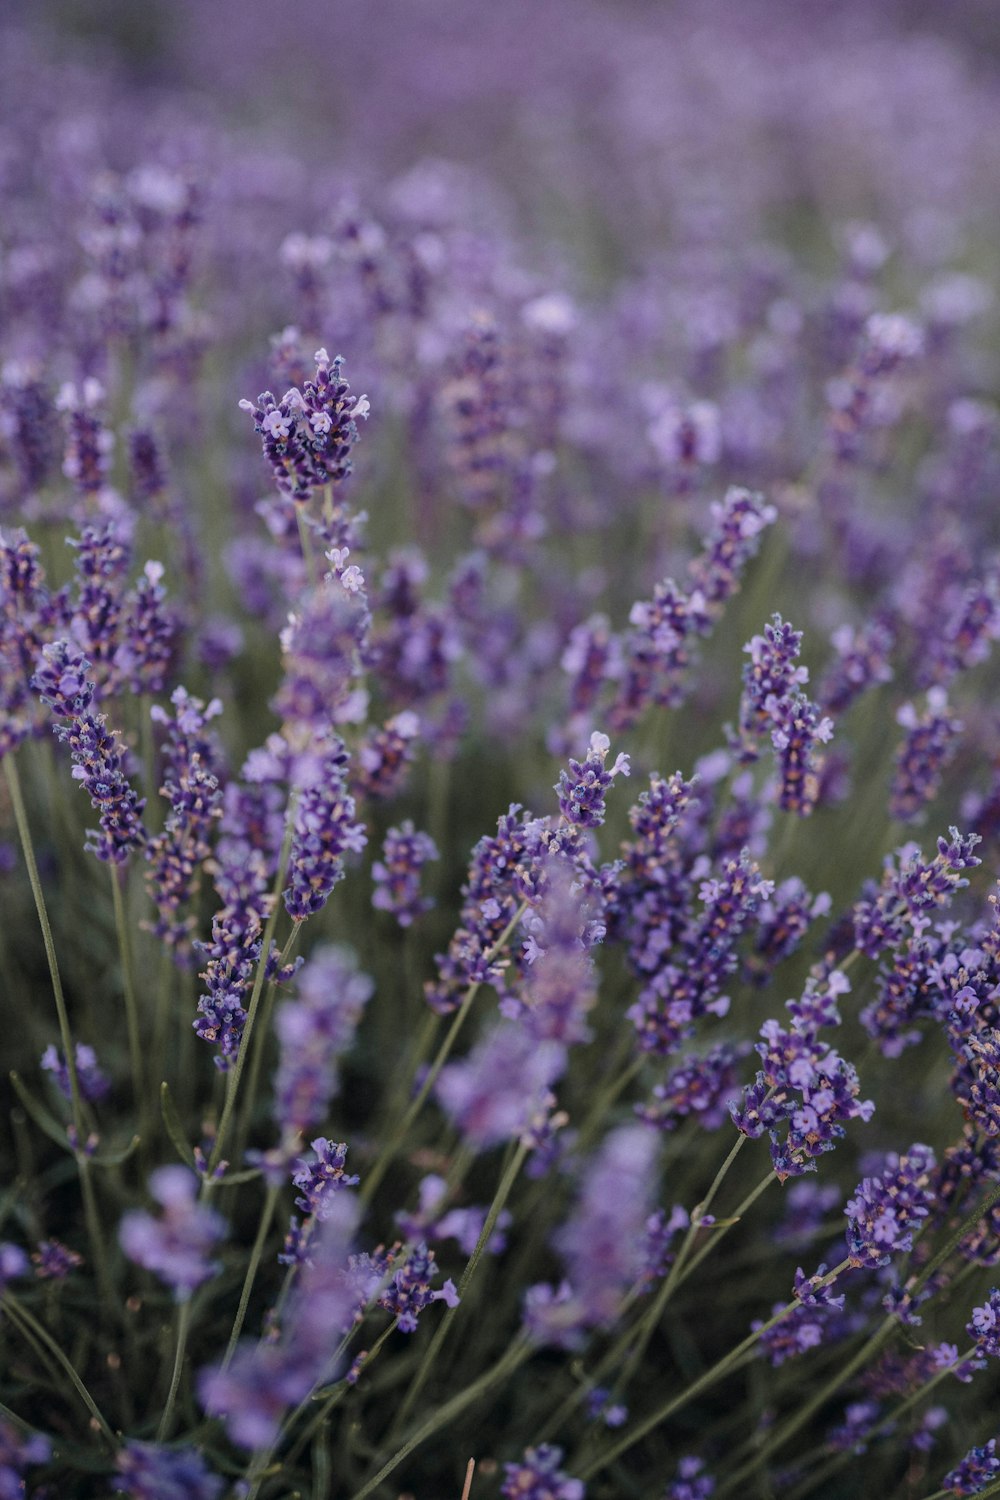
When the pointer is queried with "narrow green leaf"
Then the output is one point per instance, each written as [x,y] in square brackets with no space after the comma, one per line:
[115,1158]
[41,1116]
[175,1129]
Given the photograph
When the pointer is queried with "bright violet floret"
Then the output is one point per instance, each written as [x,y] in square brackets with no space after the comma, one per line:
[977,1469]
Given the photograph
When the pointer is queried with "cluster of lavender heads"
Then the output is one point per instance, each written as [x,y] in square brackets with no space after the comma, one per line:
[542,1005]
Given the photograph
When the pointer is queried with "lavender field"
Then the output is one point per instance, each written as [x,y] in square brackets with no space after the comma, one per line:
[500,813]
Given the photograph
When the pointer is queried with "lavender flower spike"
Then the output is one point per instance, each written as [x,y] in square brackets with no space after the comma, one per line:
[176,1246]
[539,1477]
[99,759]
[581,790]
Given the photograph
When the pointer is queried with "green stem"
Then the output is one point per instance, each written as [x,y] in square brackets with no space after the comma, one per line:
[515,1355]
[183,1324]
[382,1163]
[835,1464]
[305,540]
[489,1224]
[333,1399]
[140,1092]
[267,1214]
[30,1326]
[91,1217]
[718,1371]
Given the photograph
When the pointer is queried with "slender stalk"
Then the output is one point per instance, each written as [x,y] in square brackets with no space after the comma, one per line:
[91,1217]
[140,1092]
[31,1327]
[489,1224]
[333,1399]
[396,1138]
[267,1214]
[515,1355]
[305,540]
[183,1325]
[717,1372]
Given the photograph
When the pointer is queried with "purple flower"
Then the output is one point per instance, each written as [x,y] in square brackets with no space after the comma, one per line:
[975,1472]
[308,435]
[497,1093]
[796,730]
[409,1290]
[264,1379]
[603,1242]
[929,745]
[559,986]
[89,444]
[691,1482]
[911,890]
[690,984]
[384,757]
[313,1031]
[17,1451]
[93,1081]
[581,790]
[13,1263]
[191,785]
[149,632]
[150,1471]
[99,758]
[771,675]
[320,1178]
[704,1087]
[886,1210]
[397,874]
[177,1245]
[321,647]
[862,663]
[325,830]
[985,1326]
[53,1261]
[538,1477]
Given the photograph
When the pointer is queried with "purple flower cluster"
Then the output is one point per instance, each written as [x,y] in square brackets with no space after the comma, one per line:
[191,786]
[94,1083]
[150,1471]
[805,1085]
[537,1476]
[325,830]
[886,1210]
[313,1031]
[308,435]
[396,875]
[977,1469]
[178,1244]
[99,759]
[930,743]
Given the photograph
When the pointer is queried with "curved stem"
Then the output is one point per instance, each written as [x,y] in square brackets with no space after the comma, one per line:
[515,1355]
[489,1224]
[720,1369]
[267,1214]
[31,1327]
[384,1160]
[183,1324]
[91,1216]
